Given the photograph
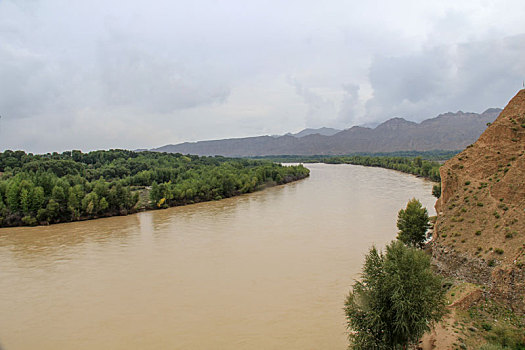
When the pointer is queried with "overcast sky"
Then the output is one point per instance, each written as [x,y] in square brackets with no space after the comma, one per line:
[141,74]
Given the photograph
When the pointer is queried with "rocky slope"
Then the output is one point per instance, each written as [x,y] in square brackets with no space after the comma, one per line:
[450,131]
[480,229]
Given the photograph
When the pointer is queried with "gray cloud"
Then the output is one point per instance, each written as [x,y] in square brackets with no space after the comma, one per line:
[28,83]
[319,108]
[134,78]
[98,74]
[469,76]
[350,107]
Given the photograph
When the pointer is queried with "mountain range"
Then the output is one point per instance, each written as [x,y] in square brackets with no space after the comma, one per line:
[449,131]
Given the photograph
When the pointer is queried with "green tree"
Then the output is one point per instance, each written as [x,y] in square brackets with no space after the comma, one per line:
[13,191]
[25,201]
[397,300]
[58,195]
[413,224]
[75,196]
[103,205]
[3,211]
[51,212]
[38,199]
[154,193]
[90,203]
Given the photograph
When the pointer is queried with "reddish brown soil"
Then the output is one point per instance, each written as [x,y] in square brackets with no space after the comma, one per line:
[481,212]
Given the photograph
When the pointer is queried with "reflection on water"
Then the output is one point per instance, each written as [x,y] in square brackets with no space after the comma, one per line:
[268,270]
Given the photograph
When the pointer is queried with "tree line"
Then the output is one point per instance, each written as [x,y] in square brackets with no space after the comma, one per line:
[425,164]
[70,186]
[415,166]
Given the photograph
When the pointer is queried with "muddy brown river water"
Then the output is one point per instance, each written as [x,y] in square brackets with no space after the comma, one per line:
[268,270]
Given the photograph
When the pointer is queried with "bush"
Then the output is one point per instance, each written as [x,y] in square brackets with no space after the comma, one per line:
[29,221]
[436,190]
[486,326]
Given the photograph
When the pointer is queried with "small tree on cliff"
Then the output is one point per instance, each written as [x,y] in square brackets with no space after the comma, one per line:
[436,190]
[397,300]
[413,224]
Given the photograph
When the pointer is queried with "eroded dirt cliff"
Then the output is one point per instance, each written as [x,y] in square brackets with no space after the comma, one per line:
[480,229]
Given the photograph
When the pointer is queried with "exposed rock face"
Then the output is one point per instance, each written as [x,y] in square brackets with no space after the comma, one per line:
[480,229]
[450,131]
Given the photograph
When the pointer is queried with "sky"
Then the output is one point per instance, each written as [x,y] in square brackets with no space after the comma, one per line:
[141,74]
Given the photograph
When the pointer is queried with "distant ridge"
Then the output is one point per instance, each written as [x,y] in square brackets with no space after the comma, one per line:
[449,131]
[320,131]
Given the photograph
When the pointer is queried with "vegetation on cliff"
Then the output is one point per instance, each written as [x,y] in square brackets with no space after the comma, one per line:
[52,188]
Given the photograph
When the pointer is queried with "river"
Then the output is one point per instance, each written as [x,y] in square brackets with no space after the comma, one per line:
[267,270]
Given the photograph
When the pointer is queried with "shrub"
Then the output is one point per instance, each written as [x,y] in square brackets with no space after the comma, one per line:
[486,326]
[436,190]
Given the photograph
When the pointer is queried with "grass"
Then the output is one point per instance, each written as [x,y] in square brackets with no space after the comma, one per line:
[486,325]
[498,324]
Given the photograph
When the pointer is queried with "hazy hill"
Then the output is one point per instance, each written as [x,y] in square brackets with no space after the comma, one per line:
[480,229]
[320,131]
[450,131]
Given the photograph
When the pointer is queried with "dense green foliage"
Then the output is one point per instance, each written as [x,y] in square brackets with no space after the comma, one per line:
[73,185]
[435,155]
[413,224]
[396,301]
[425,164]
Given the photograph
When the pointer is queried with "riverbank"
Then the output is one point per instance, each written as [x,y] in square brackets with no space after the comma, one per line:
[425,164]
